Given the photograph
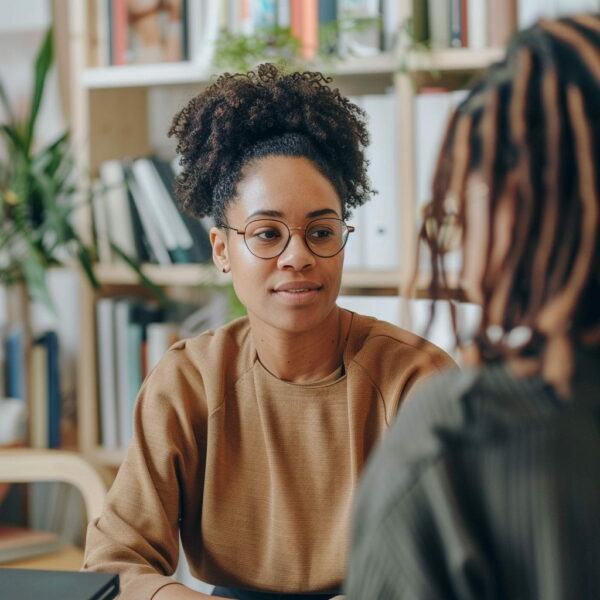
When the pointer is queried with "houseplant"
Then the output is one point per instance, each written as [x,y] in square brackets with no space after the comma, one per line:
[37,196]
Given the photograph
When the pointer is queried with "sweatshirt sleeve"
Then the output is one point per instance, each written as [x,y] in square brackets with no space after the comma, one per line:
[137,534]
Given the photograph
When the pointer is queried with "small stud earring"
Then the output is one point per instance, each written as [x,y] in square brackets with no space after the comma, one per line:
[225,269]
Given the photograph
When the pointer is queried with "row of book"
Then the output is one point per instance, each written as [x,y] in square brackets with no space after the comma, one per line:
[479,24]
[180,30]
[32,376]
[375,244]
[134,209]
[132,334]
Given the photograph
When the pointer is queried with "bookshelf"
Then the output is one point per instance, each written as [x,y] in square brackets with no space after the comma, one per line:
[110,118]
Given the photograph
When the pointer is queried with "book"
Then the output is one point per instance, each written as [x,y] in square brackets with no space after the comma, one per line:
[391,23]
[360,27]
[264,14]
[128,338]
[101,227]
[201,249]
[17,543]
[283,13]
[202,30]
[162,210]
[118,210]
[157,246]
[151,35]
[354,251]
[50,339]
[38,397]
[381,217]
[501,21]
[14,374]
[309,29]
[476,24]
[33,584]
[456,27]
[107,383]
[438,13]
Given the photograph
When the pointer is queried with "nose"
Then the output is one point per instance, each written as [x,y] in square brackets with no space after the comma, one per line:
[296,256]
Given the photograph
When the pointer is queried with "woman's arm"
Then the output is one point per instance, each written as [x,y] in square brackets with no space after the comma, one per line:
[137,534]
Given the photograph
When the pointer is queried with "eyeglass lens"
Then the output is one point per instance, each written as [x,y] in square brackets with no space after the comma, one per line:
[267,238]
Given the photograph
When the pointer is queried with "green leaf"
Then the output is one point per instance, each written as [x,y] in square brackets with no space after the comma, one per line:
[14,137]
[85,260]
[42,66]
[34,273]
[6,104]
[155,289]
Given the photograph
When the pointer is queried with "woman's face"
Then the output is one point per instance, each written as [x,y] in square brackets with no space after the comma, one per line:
[295,291]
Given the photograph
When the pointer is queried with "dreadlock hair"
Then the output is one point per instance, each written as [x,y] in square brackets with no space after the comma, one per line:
[245,117]
[530,132]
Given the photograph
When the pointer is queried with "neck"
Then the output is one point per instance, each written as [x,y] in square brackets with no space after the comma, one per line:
[302,357]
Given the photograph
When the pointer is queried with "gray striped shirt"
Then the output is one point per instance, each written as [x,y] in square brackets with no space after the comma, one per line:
[485,487]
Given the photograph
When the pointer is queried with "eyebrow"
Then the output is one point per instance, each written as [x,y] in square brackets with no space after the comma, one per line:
[276,213]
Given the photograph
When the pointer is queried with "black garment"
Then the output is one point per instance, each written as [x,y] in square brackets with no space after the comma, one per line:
[251,595]
[485,487]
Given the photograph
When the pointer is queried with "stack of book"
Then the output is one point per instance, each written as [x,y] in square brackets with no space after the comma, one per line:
[187,29]
[134,209]
[32,376]
[132,335]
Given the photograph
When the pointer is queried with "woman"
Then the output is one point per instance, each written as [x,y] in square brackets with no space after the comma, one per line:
[249,439]
[487,484]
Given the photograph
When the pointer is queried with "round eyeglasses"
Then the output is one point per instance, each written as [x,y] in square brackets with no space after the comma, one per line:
[268,238]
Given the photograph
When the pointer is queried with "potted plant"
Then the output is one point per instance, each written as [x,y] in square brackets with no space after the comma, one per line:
[37,196]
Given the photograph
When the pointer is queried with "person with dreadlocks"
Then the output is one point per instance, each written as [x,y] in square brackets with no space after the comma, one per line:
[486,485]
[249,439]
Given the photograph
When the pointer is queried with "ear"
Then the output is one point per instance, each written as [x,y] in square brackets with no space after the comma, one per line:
[220,254]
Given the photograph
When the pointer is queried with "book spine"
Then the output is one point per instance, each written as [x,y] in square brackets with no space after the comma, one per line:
[106,372]
[476,24]
[296,18]
[283,13]
[438,12]
[455,24]
[501,21]
[328,26]
[420,21]
[464,23]
[119,32]
[264,14]
[309,36]
[54,397]
[38,421]
[381,213]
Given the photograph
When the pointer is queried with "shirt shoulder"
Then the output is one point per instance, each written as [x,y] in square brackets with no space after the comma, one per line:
[385,350]
[201,366]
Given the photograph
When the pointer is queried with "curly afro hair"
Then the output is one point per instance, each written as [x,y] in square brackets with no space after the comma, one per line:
[244,117]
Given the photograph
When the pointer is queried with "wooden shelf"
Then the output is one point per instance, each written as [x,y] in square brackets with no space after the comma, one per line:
[453,59]
[181,274]
[192,73]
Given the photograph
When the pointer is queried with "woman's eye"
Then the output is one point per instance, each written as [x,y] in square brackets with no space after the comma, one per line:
[266,234]
[321,234]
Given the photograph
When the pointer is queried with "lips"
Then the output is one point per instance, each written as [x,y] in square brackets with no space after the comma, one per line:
[298,287]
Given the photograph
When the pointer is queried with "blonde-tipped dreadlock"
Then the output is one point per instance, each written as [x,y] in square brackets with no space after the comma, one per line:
[530,132]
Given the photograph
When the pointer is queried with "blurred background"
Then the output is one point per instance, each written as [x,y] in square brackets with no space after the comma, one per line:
[100,271]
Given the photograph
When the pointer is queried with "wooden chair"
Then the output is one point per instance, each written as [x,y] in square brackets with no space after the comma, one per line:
[26,465]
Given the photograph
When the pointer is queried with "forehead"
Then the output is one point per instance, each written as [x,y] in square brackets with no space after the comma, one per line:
[293,187]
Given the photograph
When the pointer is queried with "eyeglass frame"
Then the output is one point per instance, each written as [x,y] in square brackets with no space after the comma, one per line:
[349,229]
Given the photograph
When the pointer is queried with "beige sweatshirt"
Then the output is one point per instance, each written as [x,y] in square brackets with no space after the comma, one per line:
[256,473]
